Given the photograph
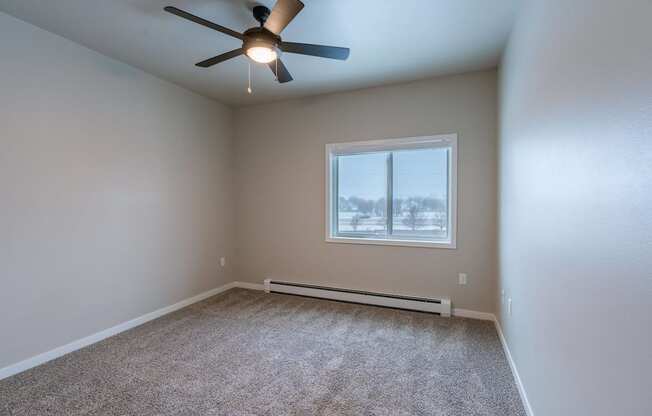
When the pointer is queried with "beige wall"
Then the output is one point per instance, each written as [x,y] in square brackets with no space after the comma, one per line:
[576,205]
[114,192]
[280,188]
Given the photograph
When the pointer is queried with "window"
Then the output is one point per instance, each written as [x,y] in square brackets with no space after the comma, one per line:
[396,192]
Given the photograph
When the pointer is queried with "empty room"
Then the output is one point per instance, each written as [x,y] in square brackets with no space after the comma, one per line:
[326,207]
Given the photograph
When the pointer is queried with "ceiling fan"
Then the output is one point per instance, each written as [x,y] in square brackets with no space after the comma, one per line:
[264,44]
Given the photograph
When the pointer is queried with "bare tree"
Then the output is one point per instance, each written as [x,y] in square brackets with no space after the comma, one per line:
[440,220]
[362,205]
[413,217]
[355,221]
[434,205]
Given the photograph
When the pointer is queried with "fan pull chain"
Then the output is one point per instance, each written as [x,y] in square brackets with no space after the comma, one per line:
[249,87]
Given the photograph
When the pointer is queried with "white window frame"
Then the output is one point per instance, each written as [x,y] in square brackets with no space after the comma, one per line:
[407,143]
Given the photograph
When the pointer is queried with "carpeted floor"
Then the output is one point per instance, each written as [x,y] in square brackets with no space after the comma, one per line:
[250,353]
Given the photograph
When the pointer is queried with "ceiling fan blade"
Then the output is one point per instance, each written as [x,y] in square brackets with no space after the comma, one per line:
[283,75]
[282,14]
[332,52]
[204,22]
[220,58]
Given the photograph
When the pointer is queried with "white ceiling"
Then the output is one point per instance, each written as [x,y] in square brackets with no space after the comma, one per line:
[391,40]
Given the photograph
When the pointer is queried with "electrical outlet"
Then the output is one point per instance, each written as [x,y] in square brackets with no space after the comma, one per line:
[502,297]
[462,278]
[509,306]
[222,261]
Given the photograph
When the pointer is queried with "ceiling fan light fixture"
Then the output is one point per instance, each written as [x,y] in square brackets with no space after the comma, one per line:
[263,44]
[262,54]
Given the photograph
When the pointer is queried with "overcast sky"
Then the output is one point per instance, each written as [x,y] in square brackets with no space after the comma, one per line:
[416,173]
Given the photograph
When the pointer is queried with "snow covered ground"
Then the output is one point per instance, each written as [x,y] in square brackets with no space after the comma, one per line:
[426,224]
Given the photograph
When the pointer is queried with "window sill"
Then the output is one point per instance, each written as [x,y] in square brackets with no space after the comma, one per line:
[384,242]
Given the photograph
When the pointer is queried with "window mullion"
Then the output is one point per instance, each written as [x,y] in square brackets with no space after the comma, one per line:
[389,211]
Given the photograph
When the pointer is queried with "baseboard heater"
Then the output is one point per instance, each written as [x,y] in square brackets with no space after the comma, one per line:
[439,306]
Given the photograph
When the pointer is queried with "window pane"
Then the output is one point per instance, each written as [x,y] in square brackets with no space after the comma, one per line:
[420,194]
[362,189]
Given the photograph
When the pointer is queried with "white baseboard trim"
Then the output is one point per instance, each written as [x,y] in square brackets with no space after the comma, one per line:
[466,313]
[250,286]
[462,313]
[512,366]
[99,336]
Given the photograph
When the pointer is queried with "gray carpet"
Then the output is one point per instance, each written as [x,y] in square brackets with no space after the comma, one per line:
[250,353]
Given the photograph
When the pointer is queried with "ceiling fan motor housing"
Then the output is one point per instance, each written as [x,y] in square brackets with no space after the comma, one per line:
[261,37]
